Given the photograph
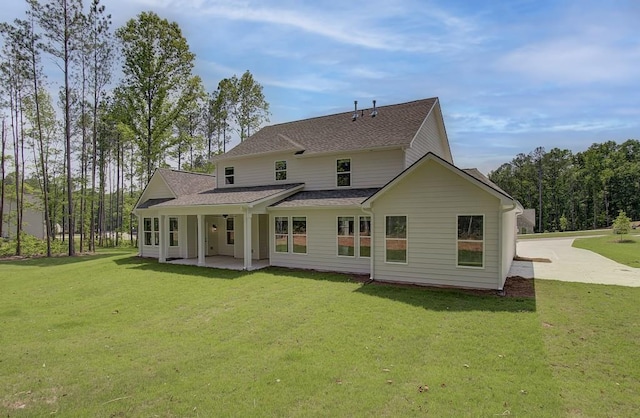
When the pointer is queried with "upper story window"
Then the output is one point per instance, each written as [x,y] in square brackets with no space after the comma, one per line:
[343,172]
[228,175]
[281,170]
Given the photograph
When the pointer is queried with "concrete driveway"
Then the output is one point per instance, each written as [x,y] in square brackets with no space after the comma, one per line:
[571,264]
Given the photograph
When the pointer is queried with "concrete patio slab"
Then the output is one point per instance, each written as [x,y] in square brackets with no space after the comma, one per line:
[570,264]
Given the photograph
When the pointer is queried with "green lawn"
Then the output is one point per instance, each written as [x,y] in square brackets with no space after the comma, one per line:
[626,252]
[112,335]
[567,234]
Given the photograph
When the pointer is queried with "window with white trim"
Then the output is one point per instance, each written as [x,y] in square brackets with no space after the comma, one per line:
[231,233]
[343,172]
[229,177]
[299,234]
[148,231]
[173,232]
[282,234]
[281,170]
[364,237]
[470,242]
[156,231]
[346,236]
[395,239]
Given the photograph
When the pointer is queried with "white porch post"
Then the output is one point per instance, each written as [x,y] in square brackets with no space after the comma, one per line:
[247,240]
[140,235]
[201,232]
[162,256]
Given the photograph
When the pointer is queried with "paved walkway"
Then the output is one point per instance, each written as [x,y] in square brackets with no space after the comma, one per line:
[571,264]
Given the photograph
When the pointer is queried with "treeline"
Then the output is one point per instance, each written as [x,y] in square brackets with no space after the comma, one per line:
[585,190]
[87,154]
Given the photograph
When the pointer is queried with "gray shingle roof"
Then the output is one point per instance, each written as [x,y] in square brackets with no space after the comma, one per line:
[152,202]
[320,198]
[394,125]
[185,182]
[476,174]
[229,196]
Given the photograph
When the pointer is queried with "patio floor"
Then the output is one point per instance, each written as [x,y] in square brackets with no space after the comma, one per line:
[221,262]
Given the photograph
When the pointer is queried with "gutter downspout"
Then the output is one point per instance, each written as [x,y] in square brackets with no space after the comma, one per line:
[372,250]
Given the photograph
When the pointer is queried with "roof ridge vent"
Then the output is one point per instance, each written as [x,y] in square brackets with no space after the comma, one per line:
[355,111]
[374,112]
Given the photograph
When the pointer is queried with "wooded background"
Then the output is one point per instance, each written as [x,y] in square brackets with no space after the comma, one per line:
[87,153]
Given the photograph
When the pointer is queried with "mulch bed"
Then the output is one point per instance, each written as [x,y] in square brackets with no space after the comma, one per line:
[514,287]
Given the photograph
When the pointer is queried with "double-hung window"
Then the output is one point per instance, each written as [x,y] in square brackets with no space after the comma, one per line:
[364,244]
[281,170]
[343,172]
[231,233]
[470,248]
[299,234]
[229,177]
[291,234]
[173,232]
[346,236]
[148,231]
[396,239]
[156,231]
[282,234]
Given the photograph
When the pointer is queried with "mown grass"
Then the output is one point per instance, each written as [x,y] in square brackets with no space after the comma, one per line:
[114,335]
[567,234]
[622,249]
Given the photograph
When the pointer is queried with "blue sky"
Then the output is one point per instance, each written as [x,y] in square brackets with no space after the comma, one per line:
[510,75]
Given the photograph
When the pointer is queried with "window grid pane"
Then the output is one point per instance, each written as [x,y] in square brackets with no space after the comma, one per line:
[365,237]
[470,246]
[346,236]
[299,234]
[396,239]
[281,170]
[343,169]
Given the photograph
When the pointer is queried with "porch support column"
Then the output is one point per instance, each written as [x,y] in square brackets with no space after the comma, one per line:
[140,235]
[201,245]
[247,240]
[162,256]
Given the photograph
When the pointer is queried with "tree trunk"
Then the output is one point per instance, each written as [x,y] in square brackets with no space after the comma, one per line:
[2,175]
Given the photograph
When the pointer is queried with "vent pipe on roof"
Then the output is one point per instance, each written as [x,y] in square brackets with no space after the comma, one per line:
[374,112]
[355,110]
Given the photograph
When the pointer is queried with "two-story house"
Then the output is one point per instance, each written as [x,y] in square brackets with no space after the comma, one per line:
[370,192]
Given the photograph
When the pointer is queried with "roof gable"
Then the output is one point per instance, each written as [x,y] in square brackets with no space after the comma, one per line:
[185,182]
[393,126]
[472,175]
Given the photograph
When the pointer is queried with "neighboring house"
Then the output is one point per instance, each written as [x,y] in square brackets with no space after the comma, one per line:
[32,217]
[376,194]
[527,221]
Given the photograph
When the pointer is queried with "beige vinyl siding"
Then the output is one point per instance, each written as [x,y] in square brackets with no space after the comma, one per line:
[156,189]
[509,230]
[322,250]
[432,197]
[429,138]
[368,169]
